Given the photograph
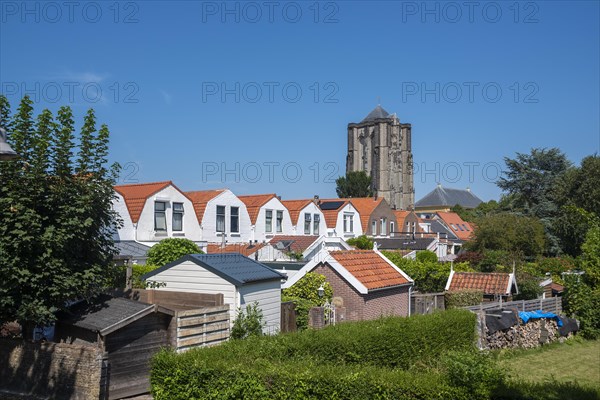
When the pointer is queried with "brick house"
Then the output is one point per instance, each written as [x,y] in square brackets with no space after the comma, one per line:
[368,284]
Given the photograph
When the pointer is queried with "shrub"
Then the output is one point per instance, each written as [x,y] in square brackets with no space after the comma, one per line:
[119,276]
[426,256]
[529,287]
[583,302]
[473,370]
[171,249]
[472,257]
[362,242]
[307,288]
[250,323]
[463,298]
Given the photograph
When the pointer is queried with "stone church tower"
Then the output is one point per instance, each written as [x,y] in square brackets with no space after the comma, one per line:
[381,146]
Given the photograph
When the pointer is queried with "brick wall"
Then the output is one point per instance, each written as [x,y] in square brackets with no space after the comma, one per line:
[370,306]
[51,370]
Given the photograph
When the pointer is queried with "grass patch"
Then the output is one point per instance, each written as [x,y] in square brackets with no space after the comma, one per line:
[575,361]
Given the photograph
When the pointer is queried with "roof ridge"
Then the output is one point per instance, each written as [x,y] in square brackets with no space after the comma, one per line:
[142,184]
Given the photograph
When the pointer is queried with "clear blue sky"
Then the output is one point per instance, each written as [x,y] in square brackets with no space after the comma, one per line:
[191,88]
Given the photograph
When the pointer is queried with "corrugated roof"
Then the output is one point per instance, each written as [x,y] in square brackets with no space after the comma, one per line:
[103,313]
[135,196]
[233,267]
[369,268]
[255,202]
[447,197]
[200,199]
[294,207]
[131,248]
[490,283]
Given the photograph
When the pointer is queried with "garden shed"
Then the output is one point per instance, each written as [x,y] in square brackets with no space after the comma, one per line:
[241,280]
[126,332]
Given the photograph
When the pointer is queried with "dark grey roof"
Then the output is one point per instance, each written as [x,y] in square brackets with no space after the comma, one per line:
[377,113]
[233,267]
[104,312]
[441,196]
[289,265]
[437,227]
[404,244]
[131,248]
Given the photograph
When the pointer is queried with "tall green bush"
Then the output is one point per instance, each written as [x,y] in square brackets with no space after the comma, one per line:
[171,249]
[248,323]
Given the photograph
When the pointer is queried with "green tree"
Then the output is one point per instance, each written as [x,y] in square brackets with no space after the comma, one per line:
[530,181]
[55,228]
[426,256]
[590,257]
[248,323]
[520,236]
[171,249]
[354,184]
[362,242]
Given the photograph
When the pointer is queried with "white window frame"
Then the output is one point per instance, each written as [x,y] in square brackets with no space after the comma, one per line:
[269,221]
[221,217]
[279,221]
[316,222]
[307,223]
[237,217]
[162,212]
[178,213]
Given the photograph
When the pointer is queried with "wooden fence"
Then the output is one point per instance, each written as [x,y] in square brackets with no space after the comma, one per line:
[201,327]
[288,317]
[552,304]
[426,303]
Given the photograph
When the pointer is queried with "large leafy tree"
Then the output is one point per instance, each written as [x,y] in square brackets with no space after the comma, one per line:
[529,181]
[354,184]
[171,249]
[56,217]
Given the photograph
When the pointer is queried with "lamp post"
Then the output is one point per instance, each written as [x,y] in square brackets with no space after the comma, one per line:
[6,152]
[328,308]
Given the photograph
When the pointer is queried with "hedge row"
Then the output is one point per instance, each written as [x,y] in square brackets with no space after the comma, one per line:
[351,360]
[186,376]
[463,298]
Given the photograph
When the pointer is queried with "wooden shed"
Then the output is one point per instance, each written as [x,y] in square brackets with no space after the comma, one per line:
[241,280]
[127,332]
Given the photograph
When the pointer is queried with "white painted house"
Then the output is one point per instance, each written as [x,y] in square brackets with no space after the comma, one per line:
[342,218]
[307,218]
[155,211]
[241,280]
[268,216]
[222,216]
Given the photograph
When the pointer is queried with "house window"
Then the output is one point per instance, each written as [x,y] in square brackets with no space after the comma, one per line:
[307,221]
[234,220]
[408,227]
[348,223]
[466,227]
[414,229]
[391,227]
[383,226]
[279,221]
[316,221]
[220,218]
[177,217]
[373,228]
[160,216]
[269,221]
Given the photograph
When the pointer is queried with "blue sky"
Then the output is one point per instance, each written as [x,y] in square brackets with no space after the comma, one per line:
[256,96]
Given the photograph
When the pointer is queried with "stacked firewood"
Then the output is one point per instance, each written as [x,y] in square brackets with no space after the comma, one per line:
[524,335]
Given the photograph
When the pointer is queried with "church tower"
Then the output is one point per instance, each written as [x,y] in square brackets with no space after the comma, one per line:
[381,146]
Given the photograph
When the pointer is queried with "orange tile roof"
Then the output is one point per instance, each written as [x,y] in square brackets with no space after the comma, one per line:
[400,216]
[299,243]
[489,283]
[294,207]
[201,198]
[245,249]
[365,206]
[135,196]
[255,202]
[331,215]
[369,268]
[453,221]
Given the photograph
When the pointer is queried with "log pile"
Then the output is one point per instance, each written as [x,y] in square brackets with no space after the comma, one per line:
[524,335]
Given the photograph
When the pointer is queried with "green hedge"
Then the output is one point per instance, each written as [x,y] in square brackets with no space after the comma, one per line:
[188,376]
[463,298]
[351,360]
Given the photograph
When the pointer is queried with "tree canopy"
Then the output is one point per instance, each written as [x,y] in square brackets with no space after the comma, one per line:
[354,184]
[171,249]
[56,217]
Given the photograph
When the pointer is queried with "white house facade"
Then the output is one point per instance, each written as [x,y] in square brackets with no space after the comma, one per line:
[268,217]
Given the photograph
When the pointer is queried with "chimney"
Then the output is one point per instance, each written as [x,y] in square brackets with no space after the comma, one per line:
[468,189]
[316,199]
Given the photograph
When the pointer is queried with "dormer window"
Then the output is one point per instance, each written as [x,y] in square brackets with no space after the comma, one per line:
[307,222]
[220,218]
[316,221]
[160,216]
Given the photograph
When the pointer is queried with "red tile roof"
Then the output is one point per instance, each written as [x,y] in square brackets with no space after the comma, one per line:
[255,202]
[201,198]
[365,207]
[294,207]
[299,243]
[135,196]
[369,268]
[462,229]
[489,283]
[245,249]
[400,216]
[332,215]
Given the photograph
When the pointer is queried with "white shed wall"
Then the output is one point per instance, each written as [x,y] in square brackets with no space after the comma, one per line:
[268,296]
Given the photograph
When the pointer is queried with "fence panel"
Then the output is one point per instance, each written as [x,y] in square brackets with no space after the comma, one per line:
[553,305]
[426,303]
[201,327]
